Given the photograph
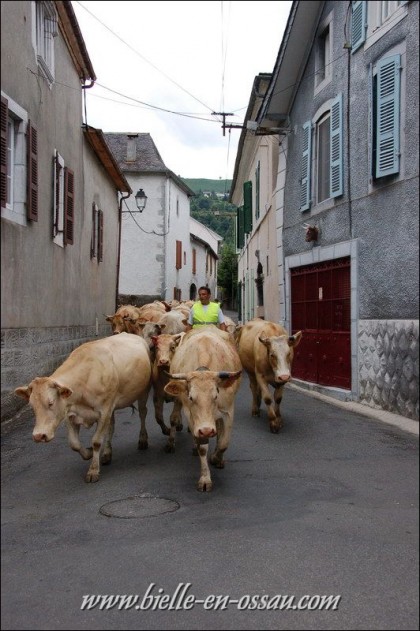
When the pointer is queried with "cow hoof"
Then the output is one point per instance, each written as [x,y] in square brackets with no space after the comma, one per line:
[170,449]
[205,486]
[179,427]
[106,459]
[274,429]
[166,431]
[219,464]
[142,444]
[91,477]
[86,453]
[255,412]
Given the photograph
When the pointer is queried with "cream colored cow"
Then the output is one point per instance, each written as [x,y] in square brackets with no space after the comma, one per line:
[97,378]
[266,352]
[205,376]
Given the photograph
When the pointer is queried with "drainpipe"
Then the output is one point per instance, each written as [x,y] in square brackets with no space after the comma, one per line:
[117,285]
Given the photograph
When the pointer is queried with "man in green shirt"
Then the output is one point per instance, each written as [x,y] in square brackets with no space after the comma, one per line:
[205,312]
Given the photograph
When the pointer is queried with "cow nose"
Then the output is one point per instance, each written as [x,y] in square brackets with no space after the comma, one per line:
[115,333]
[206,432]
[163,362]
[283,378]
[39,438]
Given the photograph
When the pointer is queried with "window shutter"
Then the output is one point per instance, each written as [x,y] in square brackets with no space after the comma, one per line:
[257,190]
[358,24]
[388,116]
[4,119]
[178,263]
[32,175]
[194,261]
[100,235]
[305,171]
[247,207]
[94,233]
[336,147]
[240,235]
[68,206]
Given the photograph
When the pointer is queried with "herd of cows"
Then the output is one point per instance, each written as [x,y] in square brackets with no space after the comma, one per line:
[199,372]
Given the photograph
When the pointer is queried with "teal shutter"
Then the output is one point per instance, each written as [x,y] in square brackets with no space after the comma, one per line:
[358,24]
[388,116]
[240,237]
[257,190]
[247,207]
[305,171]
[336,147]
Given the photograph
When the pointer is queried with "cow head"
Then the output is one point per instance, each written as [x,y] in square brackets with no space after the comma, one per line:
[280,351]
[50,402]
[118,324]
[165,347]
[201,394]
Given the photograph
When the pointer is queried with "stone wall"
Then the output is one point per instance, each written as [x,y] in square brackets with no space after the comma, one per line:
[388,352]
[34,352]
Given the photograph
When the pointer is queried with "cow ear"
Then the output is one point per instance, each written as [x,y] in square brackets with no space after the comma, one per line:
[295,339]
[264,340]
[63,390]
[24,392]
[109,318]
[226,379]
[176,388]
[178,337]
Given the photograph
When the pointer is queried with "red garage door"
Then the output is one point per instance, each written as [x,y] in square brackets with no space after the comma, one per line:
[321,310]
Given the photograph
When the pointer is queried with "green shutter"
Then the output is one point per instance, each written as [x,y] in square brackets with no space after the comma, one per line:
[336,147]
[358,24]
[257,190]
[388,116]
[240,236]
[247,207]
[305,170]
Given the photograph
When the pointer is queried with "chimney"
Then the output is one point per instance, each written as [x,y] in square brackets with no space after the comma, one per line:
[131,147]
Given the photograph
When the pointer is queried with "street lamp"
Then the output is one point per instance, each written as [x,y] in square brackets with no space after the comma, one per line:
[141,200]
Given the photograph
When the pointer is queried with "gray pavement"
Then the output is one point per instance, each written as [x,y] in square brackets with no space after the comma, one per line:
[327,507]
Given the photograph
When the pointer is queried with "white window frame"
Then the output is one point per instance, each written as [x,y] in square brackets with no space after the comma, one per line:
[325,119]
[58,220]
[324,57]
[382,16]
[15,209]
[320,115]
[45,29]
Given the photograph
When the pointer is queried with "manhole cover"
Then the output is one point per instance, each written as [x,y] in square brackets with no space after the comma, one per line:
[139,506]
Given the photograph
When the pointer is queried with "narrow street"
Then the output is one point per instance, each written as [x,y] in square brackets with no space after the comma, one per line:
[328,507]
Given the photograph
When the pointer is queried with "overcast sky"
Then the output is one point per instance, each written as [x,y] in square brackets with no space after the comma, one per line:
[192,58]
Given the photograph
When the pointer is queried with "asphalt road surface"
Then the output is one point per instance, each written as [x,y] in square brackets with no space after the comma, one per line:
[327,508]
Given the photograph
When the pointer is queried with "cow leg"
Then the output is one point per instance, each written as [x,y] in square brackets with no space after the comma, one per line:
[107,452]
[143,437]
[256,395]
[74,440]
[102,429]
[175,424]
[158,399]
[224,430]
[268,400]
[204,483]
[278,395]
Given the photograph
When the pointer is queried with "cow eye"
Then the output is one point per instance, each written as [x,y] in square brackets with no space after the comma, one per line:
[50,404]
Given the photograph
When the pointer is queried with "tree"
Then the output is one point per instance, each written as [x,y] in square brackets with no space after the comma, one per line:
[228,273]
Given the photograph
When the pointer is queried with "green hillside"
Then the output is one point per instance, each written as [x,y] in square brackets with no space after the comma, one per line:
[202,184]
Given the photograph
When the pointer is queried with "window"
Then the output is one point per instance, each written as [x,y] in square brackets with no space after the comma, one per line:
[63,220]
[327,161]
[19,164]
[46,30]
[382,16]
[323,54]
[386,116]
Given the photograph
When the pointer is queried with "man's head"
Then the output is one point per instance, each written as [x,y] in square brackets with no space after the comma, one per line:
[204,295]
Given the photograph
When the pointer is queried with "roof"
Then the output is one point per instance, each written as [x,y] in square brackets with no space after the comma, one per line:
[96,139]
[291,59]
[147,157]
[74,40]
